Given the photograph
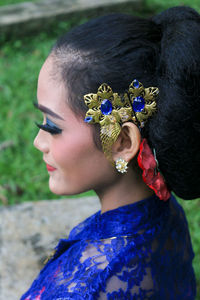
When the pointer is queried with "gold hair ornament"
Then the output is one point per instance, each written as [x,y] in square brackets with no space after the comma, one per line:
[111,110]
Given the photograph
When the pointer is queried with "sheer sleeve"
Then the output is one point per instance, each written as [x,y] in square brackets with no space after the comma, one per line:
[120,269]
[111,268]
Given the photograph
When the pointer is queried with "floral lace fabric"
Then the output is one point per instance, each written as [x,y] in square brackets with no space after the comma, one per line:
[138,251]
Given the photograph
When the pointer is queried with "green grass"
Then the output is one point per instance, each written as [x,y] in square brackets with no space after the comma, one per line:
[8,2]
[23,176]
[160,5]
[192,210]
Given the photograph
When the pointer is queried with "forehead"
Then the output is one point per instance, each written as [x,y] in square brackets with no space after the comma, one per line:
[47,84]
[53,94]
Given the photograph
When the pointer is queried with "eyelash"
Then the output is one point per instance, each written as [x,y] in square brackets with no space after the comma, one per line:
[49,127]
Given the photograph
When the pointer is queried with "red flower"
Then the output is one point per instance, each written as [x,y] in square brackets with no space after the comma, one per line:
[150,175]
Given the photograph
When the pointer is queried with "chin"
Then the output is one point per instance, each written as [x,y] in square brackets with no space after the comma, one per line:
[55,190]
[58,188]
[55,187]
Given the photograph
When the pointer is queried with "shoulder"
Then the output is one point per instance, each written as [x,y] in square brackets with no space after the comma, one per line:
[116,267]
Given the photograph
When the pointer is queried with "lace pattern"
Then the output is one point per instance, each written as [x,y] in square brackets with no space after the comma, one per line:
[138,251]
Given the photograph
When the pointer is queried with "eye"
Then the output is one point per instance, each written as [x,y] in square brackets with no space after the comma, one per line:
[49,127]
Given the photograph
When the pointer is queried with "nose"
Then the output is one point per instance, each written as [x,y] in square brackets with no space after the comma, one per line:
[41,142]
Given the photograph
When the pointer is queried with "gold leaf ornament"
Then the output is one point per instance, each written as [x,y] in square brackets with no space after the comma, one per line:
[110,110]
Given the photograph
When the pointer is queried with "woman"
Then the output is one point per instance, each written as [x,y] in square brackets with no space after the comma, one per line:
[120,98]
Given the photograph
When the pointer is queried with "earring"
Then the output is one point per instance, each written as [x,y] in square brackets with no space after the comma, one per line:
[121,165]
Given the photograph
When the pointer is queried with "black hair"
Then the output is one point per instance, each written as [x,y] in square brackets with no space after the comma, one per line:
[163,51]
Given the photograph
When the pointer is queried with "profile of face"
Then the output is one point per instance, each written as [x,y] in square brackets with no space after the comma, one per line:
[73,161]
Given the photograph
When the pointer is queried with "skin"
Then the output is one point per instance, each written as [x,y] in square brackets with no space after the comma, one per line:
[79,165]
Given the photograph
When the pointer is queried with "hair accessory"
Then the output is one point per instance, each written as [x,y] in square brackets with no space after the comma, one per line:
[121,165]
[151,175]
[111,110]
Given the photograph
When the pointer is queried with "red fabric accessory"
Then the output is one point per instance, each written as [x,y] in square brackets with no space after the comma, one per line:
[150,175]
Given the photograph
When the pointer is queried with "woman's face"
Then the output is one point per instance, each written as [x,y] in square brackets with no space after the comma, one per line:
[74,163]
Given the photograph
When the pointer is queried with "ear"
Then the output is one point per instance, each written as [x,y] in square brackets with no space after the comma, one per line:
[128,142]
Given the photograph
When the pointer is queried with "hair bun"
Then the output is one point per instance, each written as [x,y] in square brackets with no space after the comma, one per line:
[174,15]
[174,131]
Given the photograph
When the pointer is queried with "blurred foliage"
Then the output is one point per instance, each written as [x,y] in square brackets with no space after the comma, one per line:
[160,5]
[8,2]
[192,211]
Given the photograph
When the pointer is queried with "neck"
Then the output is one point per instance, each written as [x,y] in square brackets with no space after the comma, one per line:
[128,189]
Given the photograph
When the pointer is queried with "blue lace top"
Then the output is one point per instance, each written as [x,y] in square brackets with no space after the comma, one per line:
[138,251]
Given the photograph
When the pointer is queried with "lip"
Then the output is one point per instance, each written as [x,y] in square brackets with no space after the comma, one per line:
[50,168]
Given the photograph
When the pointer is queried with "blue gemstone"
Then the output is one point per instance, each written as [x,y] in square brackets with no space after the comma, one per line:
[106,107]
[136,83]
[88,119]
[138,104]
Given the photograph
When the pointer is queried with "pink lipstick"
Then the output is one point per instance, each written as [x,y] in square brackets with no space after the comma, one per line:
[50,168]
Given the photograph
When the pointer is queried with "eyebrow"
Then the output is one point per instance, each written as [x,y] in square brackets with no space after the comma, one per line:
[46,110]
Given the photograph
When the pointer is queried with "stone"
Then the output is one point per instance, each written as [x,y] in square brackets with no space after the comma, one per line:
[138,104]
[106,107]
[28,234]
[88,119]
[136,83]
[28,17]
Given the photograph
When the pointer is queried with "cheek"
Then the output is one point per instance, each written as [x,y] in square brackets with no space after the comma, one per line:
[73,149]
[81,166]
[59,151]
